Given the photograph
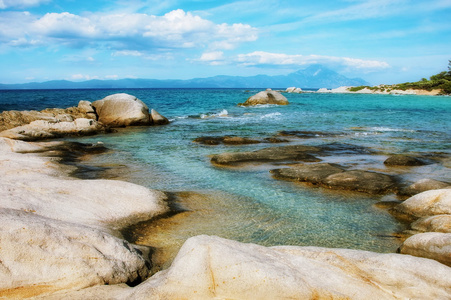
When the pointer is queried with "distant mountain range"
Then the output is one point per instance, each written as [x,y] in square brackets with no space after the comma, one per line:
[315,76]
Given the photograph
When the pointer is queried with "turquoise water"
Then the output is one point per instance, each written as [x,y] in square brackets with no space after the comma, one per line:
[256,207]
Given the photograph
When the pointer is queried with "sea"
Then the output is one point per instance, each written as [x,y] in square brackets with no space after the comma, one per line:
[247,204]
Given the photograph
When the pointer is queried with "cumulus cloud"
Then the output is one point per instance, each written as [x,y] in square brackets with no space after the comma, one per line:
[131,32]
[266,58]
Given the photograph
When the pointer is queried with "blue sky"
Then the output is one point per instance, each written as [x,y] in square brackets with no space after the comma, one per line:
[381,41]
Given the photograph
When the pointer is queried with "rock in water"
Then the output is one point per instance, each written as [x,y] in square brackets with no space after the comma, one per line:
[429,203]
[434,245]
[361,181]
[158,119]
[423,185]
[312,173]
[122,110]
[403,160]
[215,268]
[266,97]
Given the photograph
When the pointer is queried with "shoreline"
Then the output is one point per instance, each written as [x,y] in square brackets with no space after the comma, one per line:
[81,224]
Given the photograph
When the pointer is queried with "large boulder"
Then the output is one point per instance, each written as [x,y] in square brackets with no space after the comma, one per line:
[63,233]
[437,223]
[157,118]
[423,185]
[266,97]
[434,245]
[41,255]
[41,129]
[122,110]
[215,268]
[429,203]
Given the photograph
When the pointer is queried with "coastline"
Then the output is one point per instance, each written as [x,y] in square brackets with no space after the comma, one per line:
[39,191]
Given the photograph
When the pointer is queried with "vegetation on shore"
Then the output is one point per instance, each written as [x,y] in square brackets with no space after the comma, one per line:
[440,81]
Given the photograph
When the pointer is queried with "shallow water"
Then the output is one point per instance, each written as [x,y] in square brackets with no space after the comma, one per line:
[247,204]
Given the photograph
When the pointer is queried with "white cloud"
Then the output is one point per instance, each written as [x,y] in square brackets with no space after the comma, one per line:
[210,56]
[21,3]
[127,53]
[213,58]
[265,58]
[125,32]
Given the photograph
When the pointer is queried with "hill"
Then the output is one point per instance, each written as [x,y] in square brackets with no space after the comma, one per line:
[315,76]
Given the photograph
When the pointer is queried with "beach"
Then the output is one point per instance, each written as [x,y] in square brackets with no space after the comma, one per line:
[181,188]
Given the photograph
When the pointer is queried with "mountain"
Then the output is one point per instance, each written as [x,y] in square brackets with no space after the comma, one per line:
[315,76]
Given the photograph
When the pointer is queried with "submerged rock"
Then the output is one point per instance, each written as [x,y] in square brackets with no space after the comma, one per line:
[304,134]
[361,181]
[273,154]
[403,160]
[215,268]
[312,173]
[266,97]
[228,140]
[122,110]
[335,177]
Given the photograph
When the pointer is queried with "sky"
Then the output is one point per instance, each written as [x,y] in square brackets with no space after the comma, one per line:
[381,41]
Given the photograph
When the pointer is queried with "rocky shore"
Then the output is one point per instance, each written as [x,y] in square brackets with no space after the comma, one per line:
[380,90]
[61,237]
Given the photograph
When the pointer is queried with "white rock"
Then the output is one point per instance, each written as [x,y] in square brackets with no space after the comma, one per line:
[41,255]
[41,129]
[437,223]
[434,245]
[266,97]
[157,118]
[214,268]
[293,90]
[429,203]
[58,232]
[122,110]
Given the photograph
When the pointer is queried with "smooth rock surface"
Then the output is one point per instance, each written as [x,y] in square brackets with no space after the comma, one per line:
[215,268]
[13,118]
[40,129]
[423,185]
[62,233]
[157,118]
[41,255]
[361,181]
[434,245]
[312,173]
[403,160]
[429,203]
[437,223]
[272,154]
[266,97]
[122,110]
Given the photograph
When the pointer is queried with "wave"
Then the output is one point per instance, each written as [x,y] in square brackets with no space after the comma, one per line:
[222,114]
[381,129]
